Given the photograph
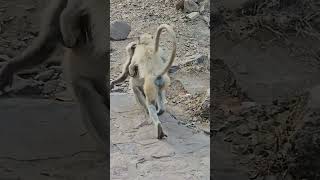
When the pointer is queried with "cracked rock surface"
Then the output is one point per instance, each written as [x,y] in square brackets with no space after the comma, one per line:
[136,153]
[44,139]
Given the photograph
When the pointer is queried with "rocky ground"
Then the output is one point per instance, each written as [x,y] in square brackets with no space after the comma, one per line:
[137,154]
[266,112]
[44,139]
[19,26]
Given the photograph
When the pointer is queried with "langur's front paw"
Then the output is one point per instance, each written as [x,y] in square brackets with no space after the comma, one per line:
[160,132]
[133,71]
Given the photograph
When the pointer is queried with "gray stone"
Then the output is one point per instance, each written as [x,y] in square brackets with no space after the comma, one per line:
[193,15]
[190,6]
[119,30]
[45,75]
[195,60]
[50,86]
[4,57]
[25,86]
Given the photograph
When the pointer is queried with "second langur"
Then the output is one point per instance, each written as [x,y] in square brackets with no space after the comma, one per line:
[148,73]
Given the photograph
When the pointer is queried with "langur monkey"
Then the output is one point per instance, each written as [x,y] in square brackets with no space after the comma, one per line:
[149,73]
[80,26]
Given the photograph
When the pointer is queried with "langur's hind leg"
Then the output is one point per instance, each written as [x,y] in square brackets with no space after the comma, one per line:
[140,98]
[154,117]
[94,110]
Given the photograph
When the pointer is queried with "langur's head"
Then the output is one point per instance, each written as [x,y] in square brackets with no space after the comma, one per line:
[145,38]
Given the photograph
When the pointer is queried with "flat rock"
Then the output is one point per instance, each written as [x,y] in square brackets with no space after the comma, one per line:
[175,157]
[25,86]
[193,15]
[42,138]
[119,30]
[195,60]
[45,75]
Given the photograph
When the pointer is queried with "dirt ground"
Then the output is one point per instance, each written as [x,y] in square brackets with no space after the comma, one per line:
[266,112]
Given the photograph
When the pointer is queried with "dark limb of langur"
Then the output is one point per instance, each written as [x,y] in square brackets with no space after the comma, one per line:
[123,76]
[41,48]
[92,106]
[80,26]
